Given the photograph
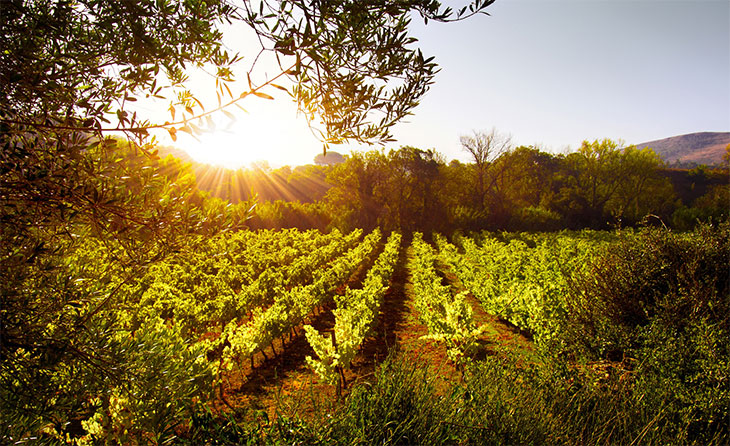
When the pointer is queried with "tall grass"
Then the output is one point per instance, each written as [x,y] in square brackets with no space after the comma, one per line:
[501,401]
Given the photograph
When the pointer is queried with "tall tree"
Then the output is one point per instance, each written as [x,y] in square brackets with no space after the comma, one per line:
[605,182]
[484,147]
[396,191]
[352,198]
[642,189]
[456,196]
[525,190]
[408,196]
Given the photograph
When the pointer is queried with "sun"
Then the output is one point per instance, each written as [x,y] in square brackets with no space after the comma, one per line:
[269,130]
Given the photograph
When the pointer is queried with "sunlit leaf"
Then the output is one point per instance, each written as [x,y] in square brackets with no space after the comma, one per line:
[262,95]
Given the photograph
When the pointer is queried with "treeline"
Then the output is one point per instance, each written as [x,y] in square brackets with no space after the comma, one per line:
[600,186]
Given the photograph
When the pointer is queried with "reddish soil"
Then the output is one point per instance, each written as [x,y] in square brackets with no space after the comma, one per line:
[284,384]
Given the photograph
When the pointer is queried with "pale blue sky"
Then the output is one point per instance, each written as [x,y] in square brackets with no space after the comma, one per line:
[558,72]
[548,72]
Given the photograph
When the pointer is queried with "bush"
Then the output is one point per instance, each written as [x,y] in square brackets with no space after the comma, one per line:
[533,218]
[660,303]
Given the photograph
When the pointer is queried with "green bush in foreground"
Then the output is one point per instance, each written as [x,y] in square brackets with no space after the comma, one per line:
[660,304]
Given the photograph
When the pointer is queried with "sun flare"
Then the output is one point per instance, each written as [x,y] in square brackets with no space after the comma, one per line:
[269,131]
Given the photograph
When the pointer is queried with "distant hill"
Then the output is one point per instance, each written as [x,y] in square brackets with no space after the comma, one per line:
[691,149]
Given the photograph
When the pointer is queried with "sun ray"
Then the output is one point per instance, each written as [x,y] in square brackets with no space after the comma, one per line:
[270,131]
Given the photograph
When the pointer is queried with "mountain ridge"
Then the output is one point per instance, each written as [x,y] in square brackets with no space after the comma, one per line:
[691,148]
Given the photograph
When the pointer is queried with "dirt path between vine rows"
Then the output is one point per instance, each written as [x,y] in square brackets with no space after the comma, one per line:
[285,385]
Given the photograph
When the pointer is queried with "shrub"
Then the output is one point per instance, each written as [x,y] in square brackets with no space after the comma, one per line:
[660,302]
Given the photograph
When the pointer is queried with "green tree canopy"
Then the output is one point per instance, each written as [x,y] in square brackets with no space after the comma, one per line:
[607,181]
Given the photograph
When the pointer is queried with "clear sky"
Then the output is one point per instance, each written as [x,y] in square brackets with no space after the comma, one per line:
[548,72]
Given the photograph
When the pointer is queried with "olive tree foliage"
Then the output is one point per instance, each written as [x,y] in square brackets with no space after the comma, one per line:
[67,69]
[70,63]
[70,70]
[354,64]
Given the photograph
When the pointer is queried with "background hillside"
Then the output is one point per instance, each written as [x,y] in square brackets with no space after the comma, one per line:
[692,148]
